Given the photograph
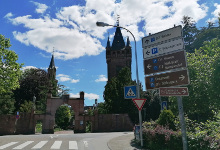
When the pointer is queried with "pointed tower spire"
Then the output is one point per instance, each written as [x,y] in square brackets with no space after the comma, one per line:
[108,42]
[52,64]
[118,41]
[52,69]
[128,42]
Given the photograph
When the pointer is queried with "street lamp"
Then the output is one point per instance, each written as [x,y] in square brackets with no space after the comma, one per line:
[102,24]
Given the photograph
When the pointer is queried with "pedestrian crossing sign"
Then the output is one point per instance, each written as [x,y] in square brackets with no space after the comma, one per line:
[130,92]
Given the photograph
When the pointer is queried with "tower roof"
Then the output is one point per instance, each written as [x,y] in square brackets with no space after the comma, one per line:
[52,64]
[108,43]
[128,42]
[118,41]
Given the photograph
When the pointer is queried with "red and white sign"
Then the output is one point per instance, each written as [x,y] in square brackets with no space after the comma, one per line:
[173,91]
[139,103]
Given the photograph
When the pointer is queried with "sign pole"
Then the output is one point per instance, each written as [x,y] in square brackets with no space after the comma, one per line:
[140,122]
[182,122]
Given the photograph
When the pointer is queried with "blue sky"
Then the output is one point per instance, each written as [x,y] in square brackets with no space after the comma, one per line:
[37,27]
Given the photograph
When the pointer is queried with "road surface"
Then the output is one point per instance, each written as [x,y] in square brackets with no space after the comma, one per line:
[70,141]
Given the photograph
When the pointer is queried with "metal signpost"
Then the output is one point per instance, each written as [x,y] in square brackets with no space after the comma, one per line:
[165,67]
[139,104]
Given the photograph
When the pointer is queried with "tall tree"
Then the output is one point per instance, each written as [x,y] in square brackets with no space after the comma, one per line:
[189,32]
[7,103]
[9,68]
[33,82]
[204,68]
[114,95]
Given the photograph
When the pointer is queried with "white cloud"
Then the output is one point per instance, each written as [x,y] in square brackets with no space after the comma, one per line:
[74,95]
[47,33]
[41,8]
[74,81]
[89,96]
[73,31]
[101,78]
[8,15]
[28,67]
[215,13]
[64,78]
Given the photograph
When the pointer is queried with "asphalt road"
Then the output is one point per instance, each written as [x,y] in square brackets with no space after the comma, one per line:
[62,141]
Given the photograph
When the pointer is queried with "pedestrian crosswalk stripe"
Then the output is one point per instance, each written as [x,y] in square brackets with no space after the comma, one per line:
[7,145]
[56,145]
[39,145]
[73,145]
[23,145]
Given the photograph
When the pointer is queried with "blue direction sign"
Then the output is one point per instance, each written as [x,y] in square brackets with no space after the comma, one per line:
[130,92]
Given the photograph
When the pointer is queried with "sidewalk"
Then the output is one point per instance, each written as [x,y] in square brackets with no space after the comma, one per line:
[124,142]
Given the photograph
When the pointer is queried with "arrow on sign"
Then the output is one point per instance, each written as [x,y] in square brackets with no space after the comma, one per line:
[184,91]
[139,103]
[182,77]
[147,52]
[149,66]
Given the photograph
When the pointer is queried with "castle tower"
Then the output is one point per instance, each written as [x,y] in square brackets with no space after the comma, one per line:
[52,77]
[118,55]
[52,69]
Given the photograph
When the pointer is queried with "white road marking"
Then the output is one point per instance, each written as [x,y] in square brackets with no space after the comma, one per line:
[85,143]
[23,145]
[39,145]
[73,145]
[56,145]
[7,145]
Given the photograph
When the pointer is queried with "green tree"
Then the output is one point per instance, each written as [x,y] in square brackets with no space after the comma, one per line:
[206,34]
[204,68]
[33,82]
[7,103]
[9,68]
[114,95]
[189,32]
[26,107]
[63,117]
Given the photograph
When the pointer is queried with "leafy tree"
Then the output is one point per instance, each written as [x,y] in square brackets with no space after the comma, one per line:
[189,32]
[9,68]
[33,82]
[7,103]
[101,108]
[26,107]
[114,95]
[63,116]
[204,68]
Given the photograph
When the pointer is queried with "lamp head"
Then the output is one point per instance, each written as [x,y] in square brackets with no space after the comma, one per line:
[101,24]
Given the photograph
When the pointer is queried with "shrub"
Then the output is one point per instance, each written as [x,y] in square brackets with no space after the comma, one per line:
[167,118]
[162,138]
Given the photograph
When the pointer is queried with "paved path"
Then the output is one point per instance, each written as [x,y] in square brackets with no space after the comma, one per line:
[125,142]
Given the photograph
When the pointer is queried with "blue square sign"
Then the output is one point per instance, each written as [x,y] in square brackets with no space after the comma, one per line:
[130,92]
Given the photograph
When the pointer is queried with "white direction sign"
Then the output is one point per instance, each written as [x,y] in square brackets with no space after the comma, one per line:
[163,47]
[162,36]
